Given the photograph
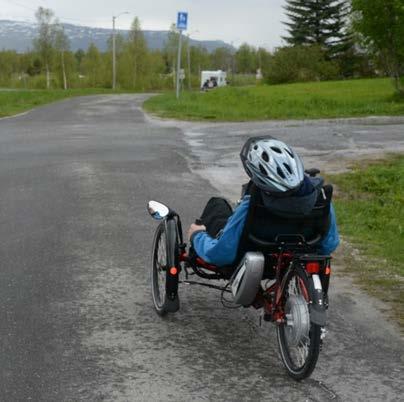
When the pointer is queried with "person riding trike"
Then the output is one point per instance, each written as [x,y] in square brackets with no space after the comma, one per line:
[272,252]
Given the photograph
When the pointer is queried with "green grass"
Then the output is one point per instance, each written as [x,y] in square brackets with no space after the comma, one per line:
[293,101]
[13,102]
[370,212]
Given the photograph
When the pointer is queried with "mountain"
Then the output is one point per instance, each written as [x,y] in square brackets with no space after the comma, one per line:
[17,35]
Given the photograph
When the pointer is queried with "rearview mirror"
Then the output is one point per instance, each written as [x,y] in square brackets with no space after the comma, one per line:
[157,210]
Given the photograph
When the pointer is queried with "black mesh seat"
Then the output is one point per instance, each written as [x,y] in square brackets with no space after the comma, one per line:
[264,227]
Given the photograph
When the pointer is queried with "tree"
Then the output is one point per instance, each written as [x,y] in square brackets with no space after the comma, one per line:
[157,78]
[61,46]
[263,60]
[45,40]
[171,51]
[222,59]
[246,59]
[382,25]
[35,67]
[8,66]
[138,51]
[200,60]
[119,44]
[299,63]
[92,64]
[79,56]
[317,22]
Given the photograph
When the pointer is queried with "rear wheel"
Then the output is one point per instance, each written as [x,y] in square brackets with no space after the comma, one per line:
[298,338]
[164,257]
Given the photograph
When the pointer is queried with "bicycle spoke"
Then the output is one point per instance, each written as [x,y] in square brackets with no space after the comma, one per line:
[298,338]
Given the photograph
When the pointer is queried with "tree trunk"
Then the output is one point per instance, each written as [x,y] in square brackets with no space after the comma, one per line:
[395,71]
[47,76]
[174,73]
[134,73]
[64,72]
[397,82]
[395,65]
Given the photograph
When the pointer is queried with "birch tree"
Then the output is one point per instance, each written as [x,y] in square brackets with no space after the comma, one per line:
[382,25]
[44,42]
[61,46]
[138,52]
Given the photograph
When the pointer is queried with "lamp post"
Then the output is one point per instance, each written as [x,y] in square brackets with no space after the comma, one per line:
[114,49]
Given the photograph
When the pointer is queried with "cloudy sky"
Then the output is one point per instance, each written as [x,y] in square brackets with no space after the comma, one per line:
[257,22]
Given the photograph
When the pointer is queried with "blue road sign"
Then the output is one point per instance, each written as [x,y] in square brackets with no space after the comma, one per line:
[182,21]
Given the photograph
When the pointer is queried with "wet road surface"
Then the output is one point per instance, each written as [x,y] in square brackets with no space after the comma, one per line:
[331,145]
[76,319]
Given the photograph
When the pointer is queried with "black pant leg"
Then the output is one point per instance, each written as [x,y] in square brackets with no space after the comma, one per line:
[215,215]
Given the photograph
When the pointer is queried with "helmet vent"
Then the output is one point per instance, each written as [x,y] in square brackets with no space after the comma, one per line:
[290,153]
[280,172]
[288,168]
[262,169]
[272,165]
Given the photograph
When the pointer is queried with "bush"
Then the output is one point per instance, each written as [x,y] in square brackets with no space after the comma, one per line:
[299,64]
[34,82]
[240,80]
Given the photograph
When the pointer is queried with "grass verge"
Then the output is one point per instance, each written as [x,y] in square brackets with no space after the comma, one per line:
[331,99]
[370,210]
[17,101]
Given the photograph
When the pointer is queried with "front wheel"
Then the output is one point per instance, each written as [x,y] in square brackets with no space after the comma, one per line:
[298,338]
[164,283]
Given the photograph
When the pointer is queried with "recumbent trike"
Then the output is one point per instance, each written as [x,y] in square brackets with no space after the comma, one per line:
[285,277]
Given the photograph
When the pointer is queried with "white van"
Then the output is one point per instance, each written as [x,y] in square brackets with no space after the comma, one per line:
[212,79]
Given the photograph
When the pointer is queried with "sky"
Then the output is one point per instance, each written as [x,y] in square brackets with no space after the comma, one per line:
[257,22]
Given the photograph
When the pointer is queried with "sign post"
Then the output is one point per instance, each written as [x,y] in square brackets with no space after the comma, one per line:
[182,25]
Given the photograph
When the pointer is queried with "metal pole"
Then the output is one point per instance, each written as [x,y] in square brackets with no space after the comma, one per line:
[189,64]
[113,55]
[179,64]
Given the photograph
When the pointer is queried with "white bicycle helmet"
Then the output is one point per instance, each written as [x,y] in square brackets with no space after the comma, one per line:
[272,165]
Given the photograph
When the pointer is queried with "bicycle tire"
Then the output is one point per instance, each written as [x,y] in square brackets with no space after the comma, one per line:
[311,339]
[164,256]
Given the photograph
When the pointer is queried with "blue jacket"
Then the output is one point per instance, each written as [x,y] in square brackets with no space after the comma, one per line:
[223,250]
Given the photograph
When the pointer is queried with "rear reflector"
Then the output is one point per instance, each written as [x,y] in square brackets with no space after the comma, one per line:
[328,271]
[173,271]
[313,267]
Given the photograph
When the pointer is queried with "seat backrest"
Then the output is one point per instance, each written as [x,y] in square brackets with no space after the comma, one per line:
[263,226]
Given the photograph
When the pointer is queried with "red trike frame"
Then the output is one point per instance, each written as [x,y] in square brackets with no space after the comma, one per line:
[271,298]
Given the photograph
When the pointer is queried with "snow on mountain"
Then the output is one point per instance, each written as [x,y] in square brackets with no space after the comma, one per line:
[18,35]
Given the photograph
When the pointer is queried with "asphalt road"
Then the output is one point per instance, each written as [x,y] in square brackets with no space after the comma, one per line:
[76,319]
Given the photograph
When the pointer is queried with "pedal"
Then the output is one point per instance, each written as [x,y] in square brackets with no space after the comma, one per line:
[326,302]
[267,317]
[264,317]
